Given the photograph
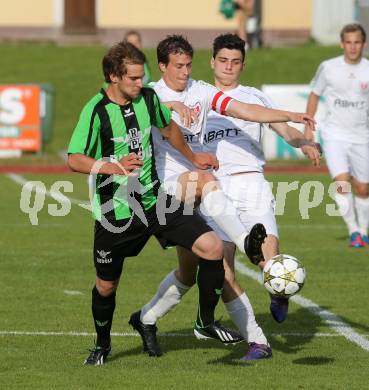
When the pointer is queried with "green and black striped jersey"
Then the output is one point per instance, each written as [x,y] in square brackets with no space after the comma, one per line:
[107,130]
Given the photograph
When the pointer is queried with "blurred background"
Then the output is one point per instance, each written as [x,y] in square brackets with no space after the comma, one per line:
[279,23]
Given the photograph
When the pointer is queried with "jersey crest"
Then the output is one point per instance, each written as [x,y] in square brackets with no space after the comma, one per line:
[364,86]
[134,139]
[196,108]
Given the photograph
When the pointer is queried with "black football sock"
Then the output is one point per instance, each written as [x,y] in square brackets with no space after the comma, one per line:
[102,311]
[210,279]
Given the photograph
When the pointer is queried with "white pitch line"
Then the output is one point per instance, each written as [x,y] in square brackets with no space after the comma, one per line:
[73,292]
[21,181]
[334,321]
[46,333]
[316,226]
[72,333]
[128,334]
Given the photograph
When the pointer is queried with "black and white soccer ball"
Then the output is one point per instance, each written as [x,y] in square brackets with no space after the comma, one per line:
[284,275]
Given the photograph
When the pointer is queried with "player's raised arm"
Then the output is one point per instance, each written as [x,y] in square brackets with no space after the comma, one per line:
[257,113]
[175,137]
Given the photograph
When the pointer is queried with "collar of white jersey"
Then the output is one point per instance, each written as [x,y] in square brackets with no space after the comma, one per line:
[230,91]
[350,65]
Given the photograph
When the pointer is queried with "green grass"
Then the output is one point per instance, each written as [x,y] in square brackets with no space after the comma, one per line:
[38,263]
[75,73]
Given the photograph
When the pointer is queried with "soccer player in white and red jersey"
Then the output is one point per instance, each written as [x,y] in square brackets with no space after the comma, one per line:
[237,145]
[175,62]
[344,82]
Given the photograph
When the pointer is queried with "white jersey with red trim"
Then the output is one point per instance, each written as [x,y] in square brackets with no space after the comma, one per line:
[201,97]
[236,142]
[346,90]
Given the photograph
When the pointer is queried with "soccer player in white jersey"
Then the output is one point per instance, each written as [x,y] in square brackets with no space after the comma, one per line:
[344,82]
[237,146]
[175,62]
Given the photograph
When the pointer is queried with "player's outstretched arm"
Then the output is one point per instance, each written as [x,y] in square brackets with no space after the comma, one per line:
[296,139]
[175,137]
[79,162]
[186,114]
[261,114]
[311,108]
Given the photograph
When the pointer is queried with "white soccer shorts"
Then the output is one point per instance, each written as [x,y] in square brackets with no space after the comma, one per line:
[346,157]
[252,196]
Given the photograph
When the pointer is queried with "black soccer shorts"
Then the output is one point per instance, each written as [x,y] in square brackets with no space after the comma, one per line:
[114,241]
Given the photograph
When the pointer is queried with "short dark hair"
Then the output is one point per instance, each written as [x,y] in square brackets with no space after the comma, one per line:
[118,56]
[354,27]
[229,41]
[173,44]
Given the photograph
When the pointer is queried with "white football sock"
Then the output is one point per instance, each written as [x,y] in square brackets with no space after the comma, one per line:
[241,313]
[168,295]
[215,204]
[345,203]
[362,211]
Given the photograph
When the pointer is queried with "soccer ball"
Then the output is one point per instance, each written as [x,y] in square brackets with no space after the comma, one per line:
[283,275]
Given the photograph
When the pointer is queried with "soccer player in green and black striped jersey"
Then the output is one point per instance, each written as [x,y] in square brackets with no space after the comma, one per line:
[113,140]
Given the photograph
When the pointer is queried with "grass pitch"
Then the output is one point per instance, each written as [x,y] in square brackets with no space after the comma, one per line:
[47,275]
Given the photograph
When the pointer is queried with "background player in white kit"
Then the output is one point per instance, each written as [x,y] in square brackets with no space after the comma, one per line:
[344,82]
[200,97]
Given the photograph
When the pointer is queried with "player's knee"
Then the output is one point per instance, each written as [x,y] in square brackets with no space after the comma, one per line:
[209,246]
[206,179]
[216,249]
[105,288]
[105,291]
[206,176]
